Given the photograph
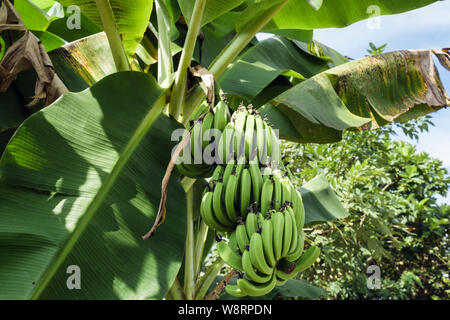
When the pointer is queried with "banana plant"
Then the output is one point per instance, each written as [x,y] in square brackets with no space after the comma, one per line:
[81,176]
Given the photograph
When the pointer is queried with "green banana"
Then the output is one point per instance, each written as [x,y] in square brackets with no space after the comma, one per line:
[229,168]
[249,270]
[294,240]
[257,254]
[256,290]
[208,215]
[268,139]
[245,192]
[239,127]
[285,191]
[299,249]
[251,224]
[261,140]
[299,210]
[257,182]
[220,116]
[231,258]
[207,124]
[230,195]
[218,173]
[267,238]
[196,143]
[275,153]
[225,146]
[219,207]
[307,259]
[242,237]
[287,234]
[234,291]
[248,138]
[276,198]
[203,108]
[266,196]
[278,230]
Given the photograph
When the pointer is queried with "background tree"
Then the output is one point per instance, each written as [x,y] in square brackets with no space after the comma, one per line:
[395,222]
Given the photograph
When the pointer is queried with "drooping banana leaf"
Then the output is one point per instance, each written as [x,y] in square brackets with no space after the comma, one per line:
[75,70]
[320,202]
[131,18]
[261,64]
[299,14]
[362,94]
[67,198]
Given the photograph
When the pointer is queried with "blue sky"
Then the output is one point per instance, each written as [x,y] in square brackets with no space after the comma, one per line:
[425,28]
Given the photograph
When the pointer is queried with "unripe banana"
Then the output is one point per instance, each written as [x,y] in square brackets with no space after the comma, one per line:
[207,214]
[257,183]
[218,173]
[234,291]
[266,196]
[206,129]
[287,234]
[219,206]
[231,258]
[251,224]
[229,168]
[230,195]
[245,192]
[299,249]
[257,290]
[261,140]
[225,145]
[267,238]
[285,191]
[196,143]
[257,254]
[278,230]
[250,132]
[239,129]
[195,171]
[242,237]
[307,259]
[268,138]
[299,210]
[220,115]
[276,198]
[294,240]
[250,271]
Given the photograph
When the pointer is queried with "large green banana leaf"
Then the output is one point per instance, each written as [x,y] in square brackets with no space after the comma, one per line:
[261,64]
[299,14]
[131,18]
[361,94]
[59,162]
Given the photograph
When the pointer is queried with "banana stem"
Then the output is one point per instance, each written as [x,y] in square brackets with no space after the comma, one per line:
[227,55]
[199,247]
[189,272]
[179,90]
[113,35]
[207,280]
[176,291]
[165,66]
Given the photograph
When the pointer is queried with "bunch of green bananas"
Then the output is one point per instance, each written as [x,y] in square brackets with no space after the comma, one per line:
[202,122]
[251,200]
[249,138]
[268,250]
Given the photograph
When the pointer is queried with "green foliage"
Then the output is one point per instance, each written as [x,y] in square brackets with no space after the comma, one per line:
[395,221]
